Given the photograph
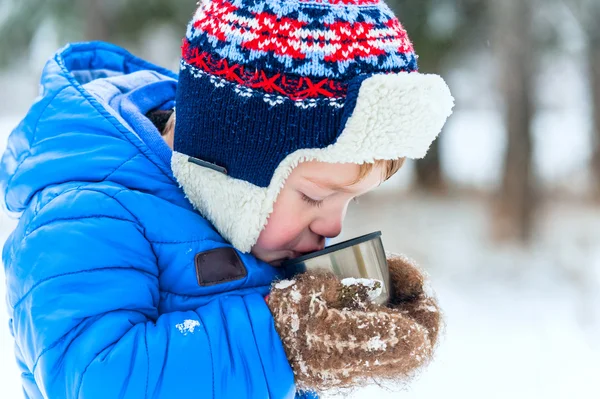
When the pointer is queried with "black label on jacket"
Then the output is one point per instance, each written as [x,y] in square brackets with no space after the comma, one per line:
[219,265]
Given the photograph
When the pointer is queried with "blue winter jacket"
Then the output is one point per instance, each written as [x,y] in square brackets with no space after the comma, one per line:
[104,291]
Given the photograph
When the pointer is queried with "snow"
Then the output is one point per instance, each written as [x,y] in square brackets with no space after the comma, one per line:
[521,321]
[367,282]
[295,322]
[296,296]
[187,326]
[376,344]
[429,308]
[472,148]
[283,284]
[374,291]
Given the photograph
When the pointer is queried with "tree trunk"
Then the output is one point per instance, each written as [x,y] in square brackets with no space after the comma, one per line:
[517,197]
[96,21]
[429,170]
[594,71]
[429,176]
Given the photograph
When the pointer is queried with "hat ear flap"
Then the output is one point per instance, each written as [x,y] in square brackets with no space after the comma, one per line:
[389,116]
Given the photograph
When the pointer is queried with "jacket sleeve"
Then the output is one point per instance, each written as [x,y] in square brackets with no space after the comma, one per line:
[83,292]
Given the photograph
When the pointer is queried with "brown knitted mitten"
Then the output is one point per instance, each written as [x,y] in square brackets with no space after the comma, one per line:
[335,337]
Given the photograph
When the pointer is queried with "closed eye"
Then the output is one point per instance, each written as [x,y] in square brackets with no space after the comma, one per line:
[312,202]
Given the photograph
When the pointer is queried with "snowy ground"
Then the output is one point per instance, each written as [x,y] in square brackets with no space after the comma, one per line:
[521,322]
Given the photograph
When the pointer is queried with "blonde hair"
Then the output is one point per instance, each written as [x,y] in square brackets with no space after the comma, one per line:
[389,166]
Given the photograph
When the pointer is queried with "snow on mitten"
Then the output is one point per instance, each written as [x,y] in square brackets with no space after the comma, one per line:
[336,337]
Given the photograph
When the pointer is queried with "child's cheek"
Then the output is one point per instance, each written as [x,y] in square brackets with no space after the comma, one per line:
[285,224]
[278,234]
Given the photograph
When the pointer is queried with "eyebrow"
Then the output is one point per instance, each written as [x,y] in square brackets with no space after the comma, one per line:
[331,186]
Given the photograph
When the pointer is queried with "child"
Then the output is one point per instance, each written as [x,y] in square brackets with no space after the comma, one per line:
[140,264]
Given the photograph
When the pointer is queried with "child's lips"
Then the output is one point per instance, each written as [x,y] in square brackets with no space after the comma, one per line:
[291,255]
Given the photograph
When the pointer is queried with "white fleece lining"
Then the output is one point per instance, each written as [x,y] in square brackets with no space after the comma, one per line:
[395,116]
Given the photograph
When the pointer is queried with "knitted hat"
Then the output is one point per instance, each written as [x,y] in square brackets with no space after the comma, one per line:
[267,84]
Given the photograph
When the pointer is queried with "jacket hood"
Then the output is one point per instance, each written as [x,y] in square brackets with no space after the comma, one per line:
[88,122]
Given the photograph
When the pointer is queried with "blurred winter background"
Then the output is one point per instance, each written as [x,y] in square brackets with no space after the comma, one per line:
[504,212]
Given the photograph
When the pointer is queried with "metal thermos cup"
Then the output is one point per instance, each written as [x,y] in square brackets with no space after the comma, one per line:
[361,257]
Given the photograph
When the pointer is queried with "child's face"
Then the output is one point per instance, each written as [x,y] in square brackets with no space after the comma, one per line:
[310,207]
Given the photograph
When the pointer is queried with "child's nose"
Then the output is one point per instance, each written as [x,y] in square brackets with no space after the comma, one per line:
[327,228]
